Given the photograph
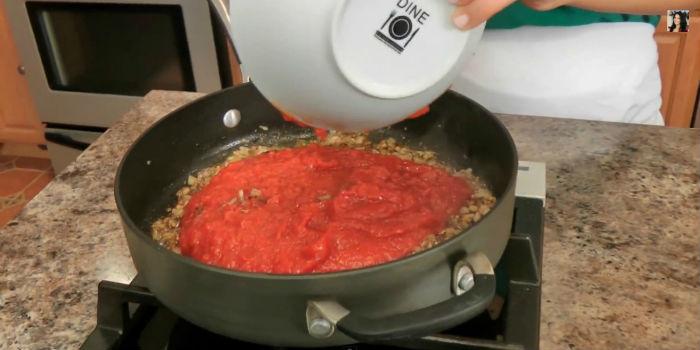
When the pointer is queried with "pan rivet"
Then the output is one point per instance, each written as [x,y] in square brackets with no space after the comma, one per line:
[231,118]
[320,328]
[466,281]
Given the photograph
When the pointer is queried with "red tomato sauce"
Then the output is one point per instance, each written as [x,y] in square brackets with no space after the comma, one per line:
[318,209]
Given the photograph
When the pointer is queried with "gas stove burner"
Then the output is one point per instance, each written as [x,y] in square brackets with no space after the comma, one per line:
[130,317]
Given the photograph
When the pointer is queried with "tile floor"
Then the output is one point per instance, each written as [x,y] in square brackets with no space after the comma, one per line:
[21,178]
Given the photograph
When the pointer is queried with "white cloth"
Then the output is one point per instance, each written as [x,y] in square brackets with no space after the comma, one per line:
[602,71]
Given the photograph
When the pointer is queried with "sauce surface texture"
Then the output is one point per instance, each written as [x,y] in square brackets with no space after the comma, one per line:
[318,209]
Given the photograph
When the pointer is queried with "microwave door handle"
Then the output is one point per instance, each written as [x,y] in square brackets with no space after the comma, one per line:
[65,140]
[224,19]
[222,14]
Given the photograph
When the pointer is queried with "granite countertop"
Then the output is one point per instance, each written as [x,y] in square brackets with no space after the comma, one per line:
[621,247]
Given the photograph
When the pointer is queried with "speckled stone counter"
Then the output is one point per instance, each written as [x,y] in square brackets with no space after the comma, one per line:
[621,249]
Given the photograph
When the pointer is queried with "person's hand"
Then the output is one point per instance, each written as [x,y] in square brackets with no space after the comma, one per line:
[471,13]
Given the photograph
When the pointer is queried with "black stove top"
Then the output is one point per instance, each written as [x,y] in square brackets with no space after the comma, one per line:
[130,317]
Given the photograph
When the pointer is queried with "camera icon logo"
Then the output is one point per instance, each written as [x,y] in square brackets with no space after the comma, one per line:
[397,32]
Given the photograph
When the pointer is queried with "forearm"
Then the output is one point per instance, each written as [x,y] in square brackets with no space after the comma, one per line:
[642,7]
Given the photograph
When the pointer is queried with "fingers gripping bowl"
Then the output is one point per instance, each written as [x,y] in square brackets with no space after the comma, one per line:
[413,296]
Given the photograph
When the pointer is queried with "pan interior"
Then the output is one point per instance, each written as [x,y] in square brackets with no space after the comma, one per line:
[462,133]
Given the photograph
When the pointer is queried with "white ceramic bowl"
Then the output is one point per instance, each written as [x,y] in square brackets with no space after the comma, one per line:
[350,65]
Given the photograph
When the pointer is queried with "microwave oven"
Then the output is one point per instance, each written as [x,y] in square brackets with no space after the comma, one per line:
[87,61]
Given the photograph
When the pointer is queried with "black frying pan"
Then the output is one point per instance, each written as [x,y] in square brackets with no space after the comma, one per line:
[414,296]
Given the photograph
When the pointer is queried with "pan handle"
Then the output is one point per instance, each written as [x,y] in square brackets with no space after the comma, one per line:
[431,319]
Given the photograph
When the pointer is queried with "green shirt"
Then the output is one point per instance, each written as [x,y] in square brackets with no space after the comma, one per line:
[517,15]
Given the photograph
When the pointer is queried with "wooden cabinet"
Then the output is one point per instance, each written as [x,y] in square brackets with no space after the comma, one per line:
[18,119]
[679,62]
